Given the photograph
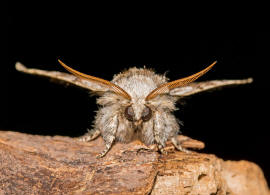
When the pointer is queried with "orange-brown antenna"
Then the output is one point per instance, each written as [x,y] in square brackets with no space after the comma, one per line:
[165,88]
[116,89]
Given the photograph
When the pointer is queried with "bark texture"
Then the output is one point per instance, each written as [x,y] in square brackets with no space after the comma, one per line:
[31,164]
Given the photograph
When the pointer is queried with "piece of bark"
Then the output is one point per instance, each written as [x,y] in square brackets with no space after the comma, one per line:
[31,164]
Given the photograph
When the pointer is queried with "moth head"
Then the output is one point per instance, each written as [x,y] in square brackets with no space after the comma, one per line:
[145,114]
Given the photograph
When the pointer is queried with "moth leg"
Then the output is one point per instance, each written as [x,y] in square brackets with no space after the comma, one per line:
[90,135]
[158,127]
[109,135]
[177,145]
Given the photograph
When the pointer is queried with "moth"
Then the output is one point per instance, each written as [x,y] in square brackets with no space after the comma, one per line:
[136,103]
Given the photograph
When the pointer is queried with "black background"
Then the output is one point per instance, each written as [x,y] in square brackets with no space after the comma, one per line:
[102,41]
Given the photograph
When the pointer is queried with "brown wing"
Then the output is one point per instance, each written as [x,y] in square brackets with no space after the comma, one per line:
[167,87]
[197,87]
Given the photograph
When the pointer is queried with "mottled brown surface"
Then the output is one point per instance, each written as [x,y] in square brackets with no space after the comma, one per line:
[31,164]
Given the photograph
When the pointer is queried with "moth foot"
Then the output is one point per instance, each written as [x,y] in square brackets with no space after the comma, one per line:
[177,145]
[162,149]
[102,154]
[152,148]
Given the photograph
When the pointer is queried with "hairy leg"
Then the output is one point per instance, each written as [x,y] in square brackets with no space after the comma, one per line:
[108,134]
[90,135]
[158,127]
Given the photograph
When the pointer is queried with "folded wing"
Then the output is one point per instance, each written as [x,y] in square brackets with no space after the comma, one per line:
[197,87]
[81,80]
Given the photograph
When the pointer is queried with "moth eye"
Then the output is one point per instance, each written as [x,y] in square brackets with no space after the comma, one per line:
[129,113]
[146,114]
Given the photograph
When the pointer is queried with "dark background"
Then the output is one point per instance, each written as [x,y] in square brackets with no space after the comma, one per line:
[102,41]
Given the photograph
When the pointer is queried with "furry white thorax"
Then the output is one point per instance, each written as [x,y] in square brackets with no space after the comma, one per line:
[138,83]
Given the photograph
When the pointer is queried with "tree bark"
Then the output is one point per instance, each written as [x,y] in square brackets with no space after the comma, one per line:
[32,164]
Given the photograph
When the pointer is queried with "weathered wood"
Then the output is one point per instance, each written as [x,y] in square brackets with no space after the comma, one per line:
[31,164]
